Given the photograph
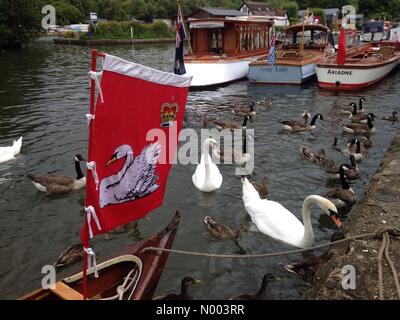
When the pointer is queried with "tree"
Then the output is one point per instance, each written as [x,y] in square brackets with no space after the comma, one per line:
[292,8]
[67,13]
[19,20]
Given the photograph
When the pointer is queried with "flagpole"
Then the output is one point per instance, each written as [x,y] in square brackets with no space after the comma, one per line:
[302,37]
[187,32]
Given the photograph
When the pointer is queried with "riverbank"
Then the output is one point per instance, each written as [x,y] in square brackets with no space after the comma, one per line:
[379,207]
[107,42]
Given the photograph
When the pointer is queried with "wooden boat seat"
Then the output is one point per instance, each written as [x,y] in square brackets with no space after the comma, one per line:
[387,52]
[65,292]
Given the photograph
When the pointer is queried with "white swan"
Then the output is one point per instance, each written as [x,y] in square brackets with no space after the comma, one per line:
[207,177]
[136,179]
[273,220]
[9,153]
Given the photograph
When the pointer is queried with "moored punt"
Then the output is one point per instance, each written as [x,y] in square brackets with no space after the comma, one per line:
[364,66]
[137,271]
[223,48]
[295,59]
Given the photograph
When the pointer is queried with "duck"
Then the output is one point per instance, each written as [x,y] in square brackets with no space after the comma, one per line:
[221,231]
[220,125]
[245,111]
[262,189]
[233,156]
[207,177]
[306,154]
[307,268]
[354,148]
[335,144]
[184,295]
[265,103]
[344,197]
[8,153]
[296,126]
[275,221]
[69,256]
[261,294]
[360,128]
[392,118]
[361,118]
[351,171]
[319,157]
[306,115]
[367,142]
[57,183]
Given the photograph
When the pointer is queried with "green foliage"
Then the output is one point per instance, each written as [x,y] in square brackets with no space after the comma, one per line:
[71,35]
[122,30]
[67,13]
[292,8]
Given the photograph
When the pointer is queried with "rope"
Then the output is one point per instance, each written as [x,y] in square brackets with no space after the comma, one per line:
[385,249]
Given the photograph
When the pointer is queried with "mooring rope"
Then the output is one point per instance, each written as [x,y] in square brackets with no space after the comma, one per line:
[384,233]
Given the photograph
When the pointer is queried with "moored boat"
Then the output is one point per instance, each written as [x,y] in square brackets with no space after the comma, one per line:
[135,272]
[296,58]
[222,48]
[363,66]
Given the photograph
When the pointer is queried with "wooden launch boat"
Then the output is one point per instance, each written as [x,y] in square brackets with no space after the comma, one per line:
[135,272]
[364,66]
[222,48]
[296,58]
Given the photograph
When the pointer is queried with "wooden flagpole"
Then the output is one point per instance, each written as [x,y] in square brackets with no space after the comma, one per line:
[187,32]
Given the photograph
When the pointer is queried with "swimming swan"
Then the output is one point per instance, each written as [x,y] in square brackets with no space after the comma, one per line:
[273,220]
[207,177]
[9,153]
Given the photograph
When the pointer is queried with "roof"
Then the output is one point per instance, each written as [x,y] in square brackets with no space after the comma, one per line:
[328,12]
[220,12]
[257,7]
[299,27]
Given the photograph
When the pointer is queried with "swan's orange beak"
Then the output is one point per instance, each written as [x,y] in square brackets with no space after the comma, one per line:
[113,159]
[337,221]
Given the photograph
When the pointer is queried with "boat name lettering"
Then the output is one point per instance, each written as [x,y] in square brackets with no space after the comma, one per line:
[278,69]
[340,72]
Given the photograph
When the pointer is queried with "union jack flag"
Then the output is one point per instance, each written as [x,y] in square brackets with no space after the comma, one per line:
[271,55]
[179,67]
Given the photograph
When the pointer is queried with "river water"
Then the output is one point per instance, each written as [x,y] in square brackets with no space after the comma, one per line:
[44,96]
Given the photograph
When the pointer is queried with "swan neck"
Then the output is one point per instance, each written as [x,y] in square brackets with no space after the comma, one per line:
[308,229]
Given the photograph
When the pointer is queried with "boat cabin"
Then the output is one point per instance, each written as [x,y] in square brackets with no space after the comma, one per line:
[225,37]
[314,38]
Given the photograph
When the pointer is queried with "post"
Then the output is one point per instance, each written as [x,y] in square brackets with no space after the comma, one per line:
[131,35]
[302,37]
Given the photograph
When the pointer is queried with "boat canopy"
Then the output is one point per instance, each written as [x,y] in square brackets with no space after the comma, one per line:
[374,27]
[299,28]
[206,24]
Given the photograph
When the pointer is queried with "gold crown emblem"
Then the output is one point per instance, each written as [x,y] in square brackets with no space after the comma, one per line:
[168,114]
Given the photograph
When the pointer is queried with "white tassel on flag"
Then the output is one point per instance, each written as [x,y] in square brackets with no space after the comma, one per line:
[89,118]
[91,213]
[93,75]
[91,261]
[92,167]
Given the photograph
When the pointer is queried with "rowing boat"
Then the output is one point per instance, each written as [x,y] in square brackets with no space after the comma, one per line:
[131,275]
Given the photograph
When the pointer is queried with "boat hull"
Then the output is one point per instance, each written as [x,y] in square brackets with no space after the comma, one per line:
[281,74]
[152,264]
[353,78]
[206,74]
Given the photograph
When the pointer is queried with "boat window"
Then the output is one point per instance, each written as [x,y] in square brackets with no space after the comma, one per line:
[216,41]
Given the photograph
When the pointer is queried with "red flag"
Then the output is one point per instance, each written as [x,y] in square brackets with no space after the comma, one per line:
[128,176]
[341,54]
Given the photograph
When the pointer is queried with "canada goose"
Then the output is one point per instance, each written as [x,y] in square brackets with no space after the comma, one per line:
[306,115]
[360,128]
[233,156]
[392,118]
[295,126]
[351,171]
[261,294]
[263,189]
[9,153]
[265,103]
[354,148]
[70,255]
[245,111]
[343,197]
[207,177]
[274,220]
[335,144]
[220,125]
[56,183]
[361,118]
[307,268]
[352,108]
[221,231]
[184,295]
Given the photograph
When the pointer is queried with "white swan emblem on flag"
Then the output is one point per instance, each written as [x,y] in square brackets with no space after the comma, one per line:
[136,179]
